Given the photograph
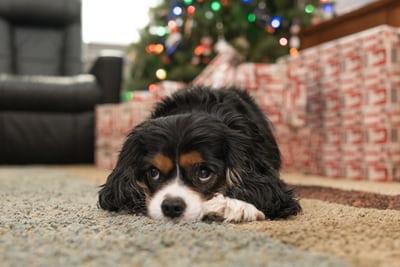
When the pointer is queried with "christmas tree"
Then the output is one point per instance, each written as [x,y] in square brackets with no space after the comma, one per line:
[178,43]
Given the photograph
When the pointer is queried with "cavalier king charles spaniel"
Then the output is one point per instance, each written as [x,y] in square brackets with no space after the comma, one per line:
[203,153]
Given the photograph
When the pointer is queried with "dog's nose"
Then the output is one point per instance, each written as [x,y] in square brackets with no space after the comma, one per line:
[173,207]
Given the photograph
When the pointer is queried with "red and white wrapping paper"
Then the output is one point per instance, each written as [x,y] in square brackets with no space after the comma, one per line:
[115,121]
[335,108]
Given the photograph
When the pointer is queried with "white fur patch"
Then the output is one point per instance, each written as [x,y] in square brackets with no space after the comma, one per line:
[192,199]
[232,210]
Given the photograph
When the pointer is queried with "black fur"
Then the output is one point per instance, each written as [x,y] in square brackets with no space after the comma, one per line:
[230,131]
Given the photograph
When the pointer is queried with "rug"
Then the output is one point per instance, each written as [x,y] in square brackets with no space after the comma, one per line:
[49,217]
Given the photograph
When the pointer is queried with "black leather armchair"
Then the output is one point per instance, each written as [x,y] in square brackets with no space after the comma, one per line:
[46,103]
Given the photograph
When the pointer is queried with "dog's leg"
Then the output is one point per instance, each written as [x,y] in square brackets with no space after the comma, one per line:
[232,210]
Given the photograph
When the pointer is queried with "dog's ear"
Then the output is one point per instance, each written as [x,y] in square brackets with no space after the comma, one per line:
[253,177]
[121,191]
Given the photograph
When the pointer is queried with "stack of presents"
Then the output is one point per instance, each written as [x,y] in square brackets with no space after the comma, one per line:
[335,108]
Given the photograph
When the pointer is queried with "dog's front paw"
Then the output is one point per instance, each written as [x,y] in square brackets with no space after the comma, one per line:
[232,210]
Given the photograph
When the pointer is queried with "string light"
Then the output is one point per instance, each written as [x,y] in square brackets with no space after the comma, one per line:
[294,52]
[199,50]
[209,15]
[276,22]
[172,25]
[161,31]
[283,41]
[161,74]
[191,10]
[328,8]
[215,6]
[251,17]
[177,10]
[246,2]
[188,2]
[153,30]
[309,9]
[152,87]
[155,48]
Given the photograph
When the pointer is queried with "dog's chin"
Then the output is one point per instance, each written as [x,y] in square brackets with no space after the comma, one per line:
[193,200]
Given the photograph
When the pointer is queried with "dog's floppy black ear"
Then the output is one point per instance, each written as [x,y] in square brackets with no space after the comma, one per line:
[253,176]
[121,191]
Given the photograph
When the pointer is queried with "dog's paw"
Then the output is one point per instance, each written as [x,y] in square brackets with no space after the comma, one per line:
[232,210]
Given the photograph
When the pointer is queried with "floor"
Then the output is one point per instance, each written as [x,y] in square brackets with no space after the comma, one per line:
[50,217]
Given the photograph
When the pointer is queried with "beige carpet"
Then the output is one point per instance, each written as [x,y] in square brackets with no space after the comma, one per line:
[362,236]
[359,236]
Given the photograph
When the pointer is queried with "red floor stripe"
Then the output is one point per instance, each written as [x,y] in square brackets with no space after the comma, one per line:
[351,198]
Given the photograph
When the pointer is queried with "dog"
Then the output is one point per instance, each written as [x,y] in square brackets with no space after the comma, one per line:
[203,153]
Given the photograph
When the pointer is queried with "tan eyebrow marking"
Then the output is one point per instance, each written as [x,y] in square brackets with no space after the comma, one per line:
[190,158]
[162,162]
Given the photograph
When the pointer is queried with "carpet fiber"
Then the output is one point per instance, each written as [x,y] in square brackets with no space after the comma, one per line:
[49,217]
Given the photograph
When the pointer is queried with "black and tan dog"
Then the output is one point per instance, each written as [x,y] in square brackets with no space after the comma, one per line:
[202,152]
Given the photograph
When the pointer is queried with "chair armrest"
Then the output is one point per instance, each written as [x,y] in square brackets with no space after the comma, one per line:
[44,93]
[108,72]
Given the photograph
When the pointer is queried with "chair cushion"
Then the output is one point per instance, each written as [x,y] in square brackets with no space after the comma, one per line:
[56,12]
[44,93]
[5,47]
[38,51]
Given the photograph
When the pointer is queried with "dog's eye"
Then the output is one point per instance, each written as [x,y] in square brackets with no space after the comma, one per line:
[154,173]
[204,174]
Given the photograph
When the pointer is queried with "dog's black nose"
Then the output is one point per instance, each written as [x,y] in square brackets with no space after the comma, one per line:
[173,207]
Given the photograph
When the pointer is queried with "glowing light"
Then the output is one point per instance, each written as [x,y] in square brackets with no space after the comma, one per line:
[246,1]
[188,2]
[149,49]
[172,24]
[154,48]
[209,15]
[276,22]
[215,6]
[283,41]
[191,10]
[294,52]
[177,11]
[153,30]
[152,87]
[199,50]
[158,48]
[251,17]
[328,8]
[309,9]
[161,31]
[161,74]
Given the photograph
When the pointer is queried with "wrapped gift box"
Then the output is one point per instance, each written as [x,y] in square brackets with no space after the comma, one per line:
[115,121]
[335,108]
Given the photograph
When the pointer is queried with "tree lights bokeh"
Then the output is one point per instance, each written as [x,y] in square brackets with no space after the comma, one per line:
[182,35]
